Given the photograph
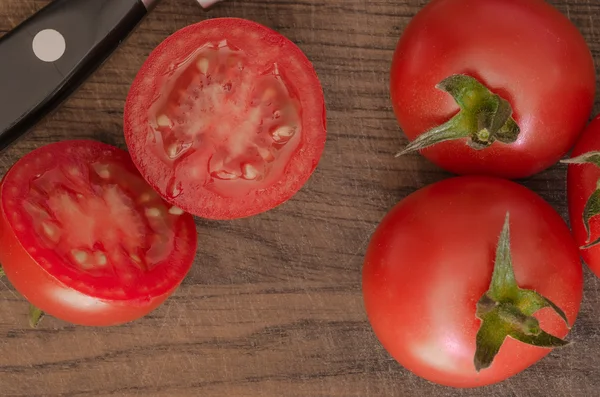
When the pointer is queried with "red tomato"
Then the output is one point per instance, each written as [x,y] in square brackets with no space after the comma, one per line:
[582,185]
[226,119]
[525,51]
[85,239]
[431,260]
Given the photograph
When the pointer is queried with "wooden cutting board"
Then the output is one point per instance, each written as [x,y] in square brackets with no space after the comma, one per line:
[273,305]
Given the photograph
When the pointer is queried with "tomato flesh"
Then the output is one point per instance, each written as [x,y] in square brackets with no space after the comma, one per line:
[232,126]
[431,259]
[80,220]
[232,122]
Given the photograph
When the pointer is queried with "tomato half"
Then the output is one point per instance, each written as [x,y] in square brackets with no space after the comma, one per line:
[226,119]
[525,52]
[583,187]
[85,239]
[431,260]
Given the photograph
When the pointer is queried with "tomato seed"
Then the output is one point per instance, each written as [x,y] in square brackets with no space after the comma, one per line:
[101,170]
[203,65]
[79,256]
[229,176]
[249,172]
[101,259]
[172,151]
[153,212]
[266,154]
[51,231]
[164,121]
[104,174]
[174,188]
[283,134]
[176,149]
[175,211]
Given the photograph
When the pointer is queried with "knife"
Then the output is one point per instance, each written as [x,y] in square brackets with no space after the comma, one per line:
[48,56]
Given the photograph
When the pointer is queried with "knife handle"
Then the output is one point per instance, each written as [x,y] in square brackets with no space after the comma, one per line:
[47,57]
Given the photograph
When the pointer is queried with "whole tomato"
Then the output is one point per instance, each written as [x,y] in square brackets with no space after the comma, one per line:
[494,87]
[583,178]
[464,296]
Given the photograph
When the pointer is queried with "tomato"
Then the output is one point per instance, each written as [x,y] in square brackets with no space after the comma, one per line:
[85,239]
[430,261]
[583,184]
[535,65]
[226,119]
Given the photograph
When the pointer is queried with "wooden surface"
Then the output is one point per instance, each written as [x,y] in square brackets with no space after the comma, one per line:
[273,306]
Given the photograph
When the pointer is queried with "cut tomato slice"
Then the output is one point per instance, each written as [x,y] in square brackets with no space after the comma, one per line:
[86,239]
[226,119]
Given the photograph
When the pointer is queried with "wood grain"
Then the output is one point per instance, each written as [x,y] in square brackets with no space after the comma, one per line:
[273,306]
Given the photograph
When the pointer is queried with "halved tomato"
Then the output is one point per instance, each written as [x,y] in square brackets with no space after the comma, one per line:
[85,239]
[226,119]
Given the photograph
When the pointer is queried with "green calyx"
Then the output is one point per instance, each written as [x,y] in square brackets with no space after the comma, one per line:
[592,206]
[484,117]
[35,316]
[507,310]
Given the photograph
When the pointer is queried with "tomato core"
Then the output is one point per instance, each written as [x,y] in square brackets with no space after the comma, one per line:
[225,121]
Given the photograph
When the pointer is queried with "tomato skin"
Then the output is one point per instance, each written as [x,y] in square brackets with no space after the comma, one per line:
[431,259]
[524,50]
[57,299]
[84,295]
[263,45]
[582,181]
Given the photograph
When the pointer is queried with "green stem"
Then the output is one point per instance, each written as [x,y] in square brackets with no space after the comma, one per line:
[445,132]
[484,117]
[522,323]
[506,310]
[592,205]
[35,316]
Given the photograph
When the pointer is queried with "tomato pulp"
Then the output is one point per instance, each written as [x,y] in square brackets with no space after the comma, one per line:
[226,119]
[85,239]
[525,51]
[431,260]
